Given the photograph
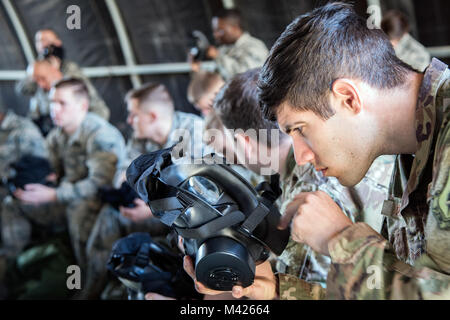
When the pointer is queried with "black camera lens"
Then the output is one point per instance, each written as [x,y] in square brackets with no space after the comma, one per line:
[222,263]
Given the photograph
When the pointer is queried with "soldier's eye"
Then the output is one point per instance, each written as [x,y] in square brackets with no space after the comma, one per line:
[299,130]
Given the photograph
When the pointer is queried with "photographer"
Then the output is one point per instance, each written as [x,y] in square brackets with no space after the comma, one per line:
[156,125]
[298,264]
[351,84]
[238,51]
[50,67]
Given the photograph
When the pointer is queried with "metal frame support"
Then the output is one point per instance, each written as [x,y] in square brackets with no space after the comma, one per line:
[20,31]
[124,40]
[118,71]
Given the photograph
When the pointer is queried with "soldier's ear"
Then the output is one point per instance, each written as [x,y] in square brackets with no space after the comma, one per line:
[346,94]
[153,115]
[85,105]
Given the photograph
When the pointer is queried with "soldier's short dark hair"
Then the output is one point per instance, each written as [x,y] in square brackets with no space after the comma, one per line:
[77,85]
[233,16]
[329,43]
[395,24]
[150,92]
[237,105]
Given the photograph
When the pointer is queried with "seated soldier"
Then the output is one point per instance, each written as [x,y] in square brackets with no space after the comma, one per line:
[85,152]
[156,125]
[202,90]
[237,106]
[19,136]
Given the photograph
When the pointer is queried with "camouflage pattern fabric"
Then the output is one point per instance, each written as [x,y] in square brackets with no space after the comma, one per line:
[412,52]
[299,265]
[411,257]
[246,53]
[87,159]
[18,137]
[40,102]
[111,225]
[83,162]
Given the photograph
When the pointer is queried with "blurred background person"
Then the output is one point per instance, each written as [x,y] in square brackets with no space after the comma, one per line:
[202,89]
[396,25]
[237,50]
[51,66]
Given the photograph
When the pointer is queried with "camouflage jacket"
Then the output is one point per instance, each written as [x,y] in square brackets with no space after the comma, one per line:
[40,102]
[410,259]
[412,52]
[246,53]
[87,159]
[19,136]
[303,272]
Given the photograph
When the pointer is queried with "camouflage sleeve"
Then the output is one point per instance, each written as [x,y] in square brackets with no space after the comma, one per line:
[293,288]
[53,152]
[26,86]
[27,140]
[32,142]
[251,55]
[105,153]
[365,267]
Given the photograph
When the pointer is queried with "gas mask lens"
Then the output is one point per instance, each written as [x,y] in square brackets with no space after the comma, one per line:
[204,188]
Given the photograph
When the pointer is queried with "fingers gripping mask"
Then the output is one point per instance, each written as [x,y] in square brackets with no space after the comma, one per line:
[228,226]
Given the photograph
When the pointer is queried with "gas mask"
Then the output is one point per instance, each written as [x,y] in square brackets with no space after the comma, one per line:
[228,226]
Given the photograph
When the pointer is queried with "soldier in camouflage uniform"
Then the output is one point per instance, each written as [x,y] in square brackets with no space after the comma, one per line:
[85,151]
[238,50]
[149,134]
[409,258]
[298,261]
[18,137]
[395,24]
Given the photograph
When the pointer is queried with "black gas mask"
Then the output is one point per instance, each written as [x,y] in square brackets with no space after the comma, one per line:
[227,226]
[145,264]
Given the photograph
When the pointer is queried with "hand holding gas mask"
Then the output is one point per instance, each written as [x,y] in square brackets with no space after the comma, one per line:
[227,226]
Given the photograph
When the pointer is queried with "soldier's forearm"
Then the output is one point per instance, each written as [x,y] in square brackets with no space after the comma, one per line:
[365,267]
[293,288]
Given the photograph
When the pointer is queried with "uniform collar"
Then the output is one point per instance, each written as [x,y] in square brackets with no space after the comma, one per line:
[9,122]
[175,125]
[425,123]
[290,163]
[244,36]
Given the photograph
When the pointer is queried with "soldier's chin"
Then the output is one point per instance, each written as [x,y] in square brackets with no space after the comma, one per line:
[350,180]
